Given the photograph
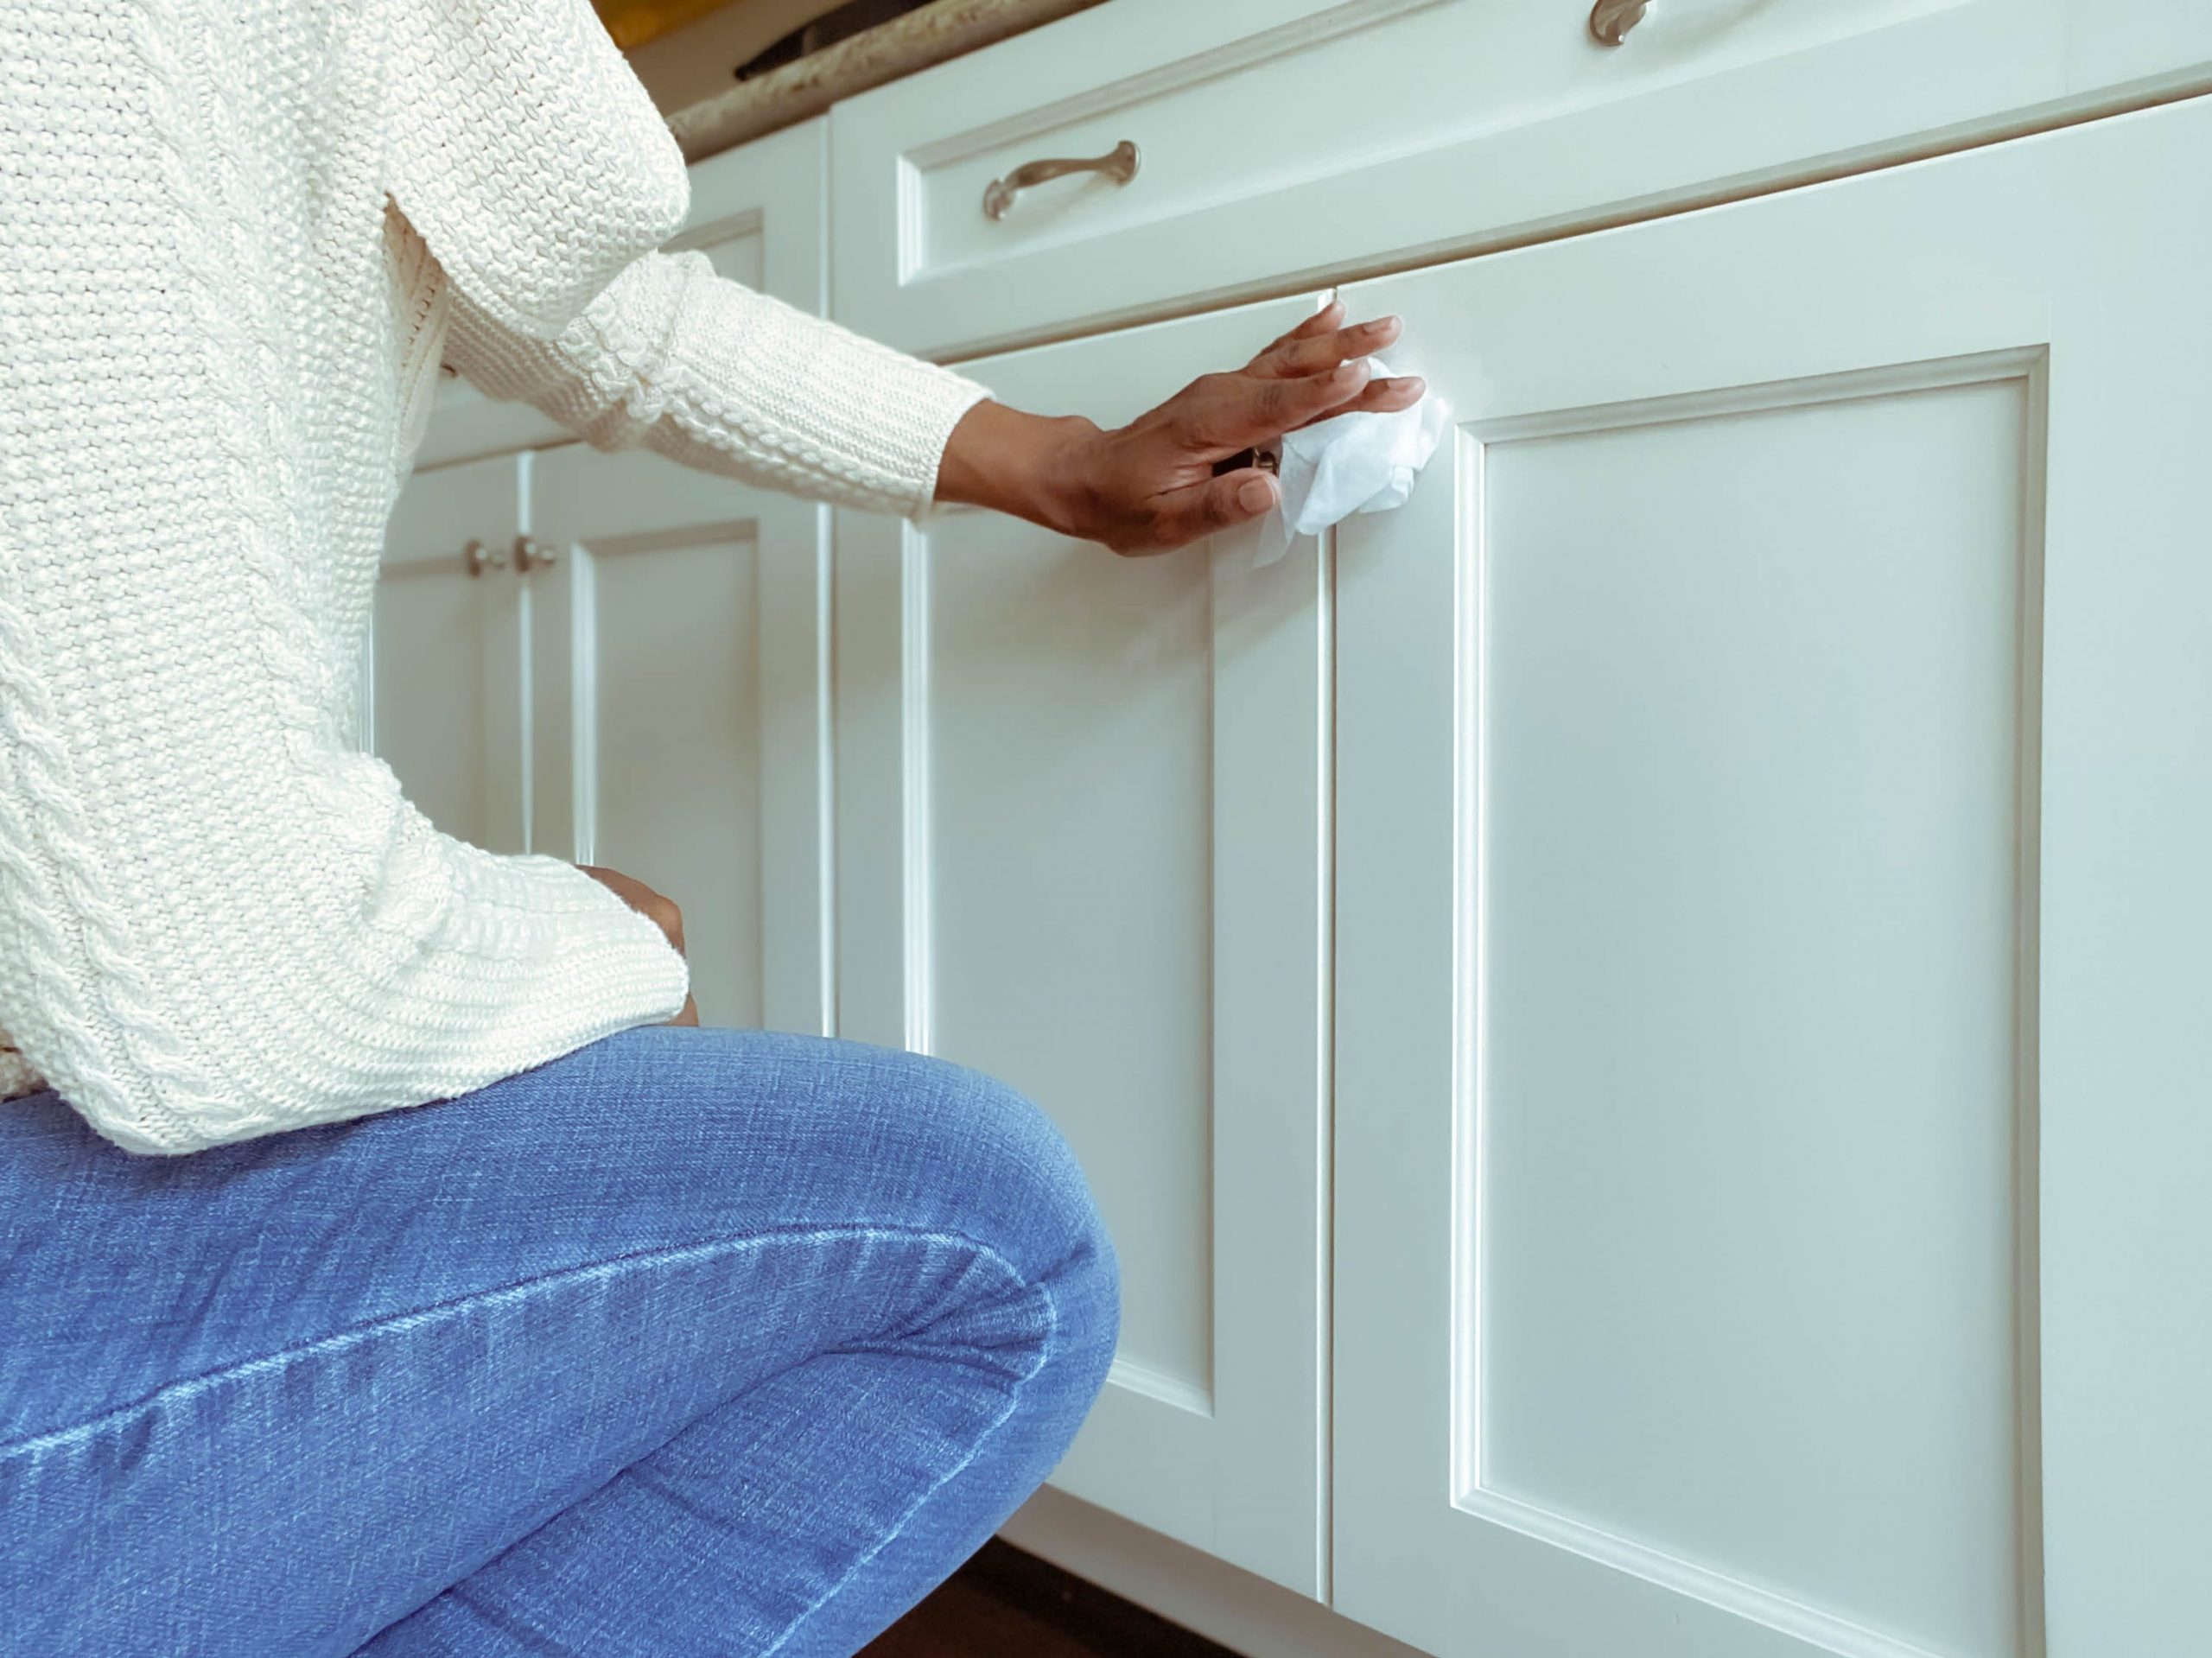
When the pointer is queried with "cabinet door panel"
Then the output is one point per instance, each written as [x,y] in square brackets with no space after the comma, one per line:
[1082,834]
[757,213]
[678,688]
[1763,815]
[444,684]
[1070,905]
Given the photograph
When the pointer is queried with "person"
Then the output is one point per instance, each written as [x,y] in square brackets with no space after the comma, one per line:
[390,1263]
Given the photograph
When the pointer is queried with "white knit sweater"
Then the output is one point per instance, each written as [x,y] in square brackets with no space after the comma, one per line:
[235,240]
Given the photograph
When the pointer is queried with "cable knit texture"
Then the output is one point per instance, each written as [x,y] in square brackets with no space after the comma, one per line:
[235,238]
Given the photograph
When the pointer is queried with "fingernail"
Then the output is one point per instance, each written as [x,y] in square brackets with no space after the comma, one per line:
[1354,372]
[1411,382]
[1380,325]
[1255,495]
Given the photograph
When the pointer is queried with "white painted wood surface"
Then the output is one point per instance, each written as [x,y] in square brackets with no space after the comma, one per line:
[1083,835]
[1286,142]
[1773,797]
[679,653]
[444,692]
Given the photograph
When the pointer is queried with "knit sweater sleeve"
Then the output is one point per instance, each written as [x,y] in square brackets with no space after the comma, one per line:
[673,357]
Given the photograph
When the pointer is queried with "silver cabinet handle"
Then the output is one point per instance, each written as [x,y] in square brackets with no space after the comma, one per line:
[481,558]
[1119,164]
[1611,19]
[530,555]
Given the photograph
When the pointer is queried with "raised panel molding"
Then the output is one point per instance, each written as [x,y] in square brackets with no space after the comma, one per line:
[1043,827]
[1084,805]
[1027,727]
[1771,906]
[681,665]
[1591,716]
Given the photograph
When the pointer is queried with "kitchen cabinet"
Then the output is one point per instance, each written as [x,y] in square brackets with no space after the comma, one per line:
[1772,794]
[1634,1020]
[679,659]
[630,667]
[1269,145]
[1082,833]
[443,701]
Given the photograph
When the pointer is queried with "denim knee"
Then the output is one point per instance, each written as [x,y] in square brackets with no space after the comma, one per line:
[1027,1178]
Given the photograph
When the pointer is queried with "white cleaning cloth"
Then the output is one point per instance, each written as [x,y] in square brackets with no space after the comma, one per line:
[1348,464]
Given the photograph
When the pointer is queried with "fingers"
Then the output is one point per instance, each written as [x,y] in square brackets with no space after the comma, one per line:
[1243,411]
[1382,398]
[1296,356]
[1331,315]
[1218,503]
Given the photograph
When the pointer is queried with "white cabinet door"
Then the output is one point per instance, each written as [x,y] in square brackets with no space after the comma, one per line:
[1082,816]
[679,668]
[679,656]
[1775,785]
[443,699]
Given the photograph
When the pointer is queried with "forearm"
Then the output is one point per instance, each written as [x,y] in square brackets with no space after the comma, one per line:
[1031,467]
[1183,470]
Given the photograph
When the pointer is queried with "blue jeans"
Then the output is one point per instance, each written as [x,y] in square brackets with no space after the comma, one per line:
[693,1341]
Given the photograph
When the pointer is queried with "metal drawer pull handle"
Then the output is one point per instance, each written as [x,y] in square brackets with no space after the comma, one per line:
[1611,19]
[1119,164]
[481,558]
[532,556]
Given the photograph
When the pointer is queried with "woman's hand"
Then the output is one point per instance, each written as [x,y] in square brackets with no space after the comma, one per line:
[661,912]
[1151,486]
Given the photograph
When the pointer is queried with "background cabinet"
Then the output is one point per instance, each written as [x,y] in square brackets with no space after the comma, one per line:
[1771,905]
[680,659]
[1083,812]
[642,681]
[445,701]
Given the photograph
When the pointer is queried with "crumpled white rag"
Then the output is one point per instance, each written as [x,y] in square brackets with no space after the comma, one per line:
[1348,464]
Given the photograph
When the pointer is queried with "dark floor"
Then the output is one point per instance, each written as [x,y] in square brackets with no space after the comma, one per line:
[1005,1604]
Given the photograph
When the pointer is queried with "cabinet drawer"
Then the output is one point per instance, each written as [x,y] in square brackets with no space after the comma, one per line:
[1286,142]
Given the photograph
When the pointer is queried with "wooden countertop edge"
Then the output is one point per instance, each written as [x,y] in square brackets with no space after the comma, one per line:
[901,47]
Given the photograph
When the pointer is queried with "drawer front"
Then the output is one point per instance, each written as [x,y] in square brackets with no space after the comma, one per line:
[1281,142]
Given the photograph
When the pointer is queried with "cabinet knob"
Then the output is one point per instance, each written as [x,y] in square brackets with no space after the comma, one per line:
[532,556]
[1119,164]
[481,558]
[1611,19]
